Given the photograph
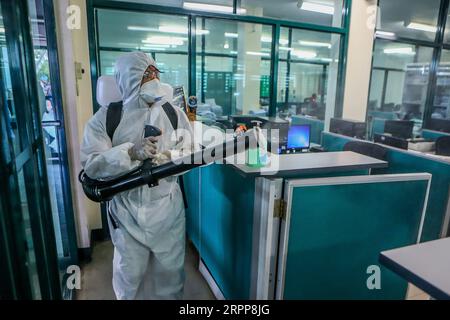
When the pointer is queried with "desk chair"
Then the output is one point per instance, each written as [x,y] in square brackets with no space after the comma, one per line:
[367,149]
[443,146]
[370,150]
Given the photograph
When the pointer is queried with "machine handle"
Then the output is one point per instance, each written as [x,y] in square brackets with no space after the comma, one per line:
[150,131]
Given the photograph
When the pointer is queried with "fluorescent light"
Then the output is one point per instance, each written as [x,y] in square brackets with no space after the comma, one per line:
[317,7]
[400,50]
[166,29]
[256,53]
[267,39]
[2,30]
[385,33]
[233,52]
[231,35]
[315,44]
[125,44]
[173,29]
[304,54]
[211,7]
[180,30]
[137,28]
[157,45]
[150,47]
[165,40]
[422,27]
[38,20]
[285,48]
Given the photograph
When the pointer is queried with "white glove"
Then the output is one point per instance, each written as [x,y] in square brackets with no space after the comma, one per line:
[162,158]
[145,149]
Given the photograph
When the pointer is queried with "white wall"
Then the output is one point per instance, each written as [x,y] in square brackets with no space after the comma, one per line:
[359,60]
[77,102]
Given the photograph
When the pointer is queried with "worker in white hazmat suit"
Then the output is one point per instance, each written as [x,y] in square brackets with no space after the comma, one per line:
[147,224]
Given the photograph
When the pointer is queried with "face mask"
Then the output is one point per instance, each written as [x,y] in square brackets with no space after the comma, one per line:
[151,91]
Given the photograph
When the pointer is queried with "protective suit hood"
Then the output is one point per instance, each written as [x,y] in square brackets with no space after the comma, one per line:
[129,70]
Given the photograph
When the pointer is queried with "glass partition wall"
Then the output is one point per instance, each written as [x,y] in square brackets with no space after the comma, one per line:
[410,70]
[234,67]
[308,64]
[242,60]
[163,36]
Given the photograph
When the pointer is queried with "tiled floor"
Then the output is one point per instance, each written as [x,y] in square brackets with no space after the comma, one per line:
[96,276]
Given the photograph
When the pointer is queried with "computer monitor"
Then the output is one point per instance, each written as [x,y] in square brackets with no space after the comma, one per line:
[299,138]
[399,128]
[442,125]
[349,128]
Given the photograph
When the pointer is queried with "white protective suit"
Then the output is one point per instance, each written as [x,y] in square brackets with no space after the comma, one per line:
[149,243]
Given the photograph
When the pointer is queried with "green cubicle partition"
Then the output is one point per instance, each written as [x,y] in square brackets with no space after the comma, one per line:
[192,184]
[376,127]
[401,161]
[386,115]
[377,121]
[317,126]
[327,247]
[433,135]
[220,224]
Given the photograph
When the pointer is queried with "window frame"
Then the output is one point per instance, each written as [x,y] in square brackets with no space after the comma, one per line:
[94,48]
[437,45]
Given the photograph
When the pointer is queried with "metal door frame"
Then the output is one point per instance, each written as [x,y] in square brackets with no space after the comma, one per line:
[265,238]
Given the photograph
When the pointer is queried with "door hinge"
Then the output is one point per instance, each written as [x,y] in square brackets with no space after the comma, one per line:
[279,209]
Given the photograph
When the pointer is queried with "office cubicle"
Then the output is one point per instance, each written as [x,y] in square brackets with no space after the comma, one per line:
[233,223]
[402,161]
[433,135]
[327,247]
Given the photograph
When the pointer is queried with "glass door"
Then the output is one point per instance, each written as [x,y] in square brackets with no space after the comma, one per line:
[27,238]
[52,122]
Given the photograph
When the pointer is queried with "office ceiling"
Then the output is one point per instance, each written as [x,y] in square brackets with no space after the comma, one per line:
[281,9]
[396,15]
[422,11]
